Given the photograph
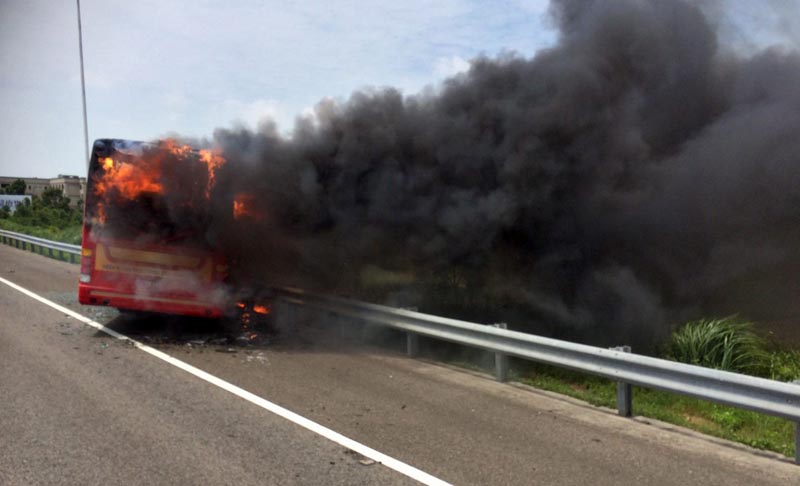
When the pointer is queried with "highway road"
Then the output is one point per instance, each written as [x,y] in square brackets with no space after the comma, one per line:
[80,407]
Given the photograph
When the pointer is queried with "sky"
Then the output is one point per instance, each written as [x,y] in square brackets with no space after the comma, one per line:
[159,67]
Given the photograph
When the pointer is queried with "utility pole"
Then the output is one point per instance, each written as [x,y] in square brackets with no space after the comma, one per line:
[83,86]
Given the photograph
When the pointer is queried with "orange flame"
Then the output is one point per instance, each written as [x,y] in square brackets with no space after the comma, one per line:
[214,161]
[261,309]
[170,145]
[244,207]
[129,181]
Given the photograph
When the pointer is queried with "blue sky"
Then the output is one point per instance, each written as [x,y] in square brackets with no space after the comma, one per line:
[156,67]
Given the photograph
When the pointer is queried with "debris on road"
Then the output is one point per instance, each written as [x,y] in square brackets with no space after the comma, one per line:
[363,460]
[260,357]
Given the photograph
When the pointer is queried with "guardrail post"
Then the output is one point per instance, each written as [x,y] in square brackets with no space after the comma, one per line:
[278,313]
[624,391]
[286,314]
[291,314]
[501,359]
[797,443]
[412,345]
[412,339]
[334,321]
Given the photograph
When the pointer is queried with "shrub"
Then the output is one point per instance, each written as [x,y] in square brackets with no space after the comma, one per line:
[728,344]
[784,365]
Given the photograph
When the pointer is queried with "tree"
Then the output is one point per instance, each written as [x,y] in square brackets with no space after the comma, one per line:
[23,211]
[17,187]
[54,198]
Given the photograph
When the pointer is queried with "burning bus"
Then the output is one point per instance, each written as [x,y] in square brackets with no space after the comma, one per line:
[145,244]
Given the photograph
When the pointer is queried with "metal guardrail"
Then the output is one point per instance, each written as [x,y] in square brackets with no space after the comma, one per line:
[618,364]
[53,249]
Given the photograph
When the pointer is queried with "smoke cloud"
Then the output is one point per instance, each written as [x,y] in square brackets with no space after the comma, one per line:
[634,174]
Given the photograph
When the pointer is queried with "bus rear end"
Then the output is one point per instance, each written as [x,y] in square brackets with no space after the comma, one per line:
[145,236]
[165,279]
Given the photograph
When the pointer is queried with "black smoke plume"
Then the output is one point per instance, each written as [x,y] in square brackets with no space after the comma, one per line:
[637,173]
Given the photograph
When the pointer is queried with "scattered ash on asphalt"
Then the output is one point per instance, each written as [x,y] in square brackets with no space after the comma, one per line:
[69,327]
[101,314]
[220,335]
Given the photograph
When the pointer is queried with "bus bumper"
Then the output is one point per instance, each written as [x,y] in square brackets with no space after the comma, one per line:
[183,305]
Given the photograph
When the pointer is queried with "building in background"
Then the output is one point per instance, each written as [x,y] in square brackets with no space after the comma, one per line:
[73,187]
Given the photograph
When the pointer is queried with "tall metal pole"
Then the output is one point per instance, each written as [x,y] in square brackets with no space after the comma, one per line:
[83,87]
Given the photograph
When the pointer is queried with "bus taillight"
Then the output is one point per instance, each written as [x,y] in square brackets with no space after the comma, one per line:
[87,260]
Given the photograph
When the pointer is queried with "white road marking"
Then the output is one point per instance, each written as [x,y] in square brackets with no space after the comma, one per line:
[308,424]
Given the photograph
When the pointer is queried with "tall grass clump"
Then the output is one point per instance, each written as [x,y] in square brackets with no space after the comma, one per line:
[728,344]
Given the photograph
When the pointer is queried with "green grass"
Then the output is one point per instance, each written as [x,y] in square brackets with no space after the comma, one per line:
[70,234]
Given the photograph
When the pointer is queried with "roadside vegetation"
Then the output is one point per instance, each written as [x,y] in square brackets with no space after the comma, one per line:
[46,216]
